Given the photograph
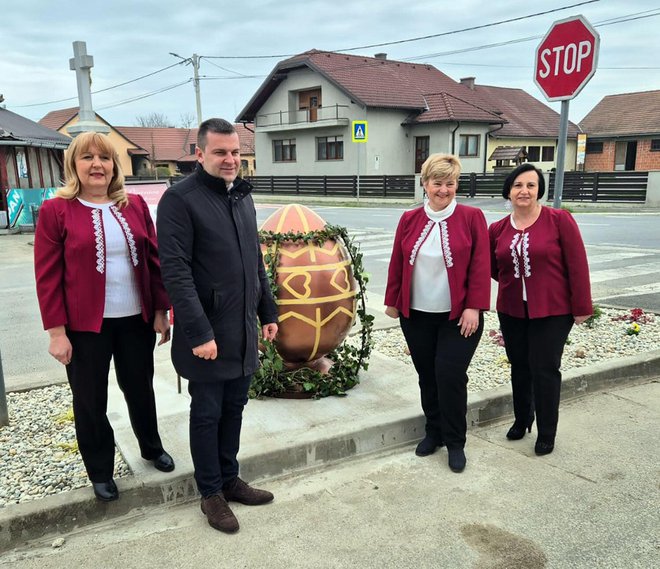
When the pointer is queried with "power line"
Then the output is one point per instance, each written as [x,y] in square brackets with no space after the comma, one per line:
[145,95]
[101,90]
[470,29]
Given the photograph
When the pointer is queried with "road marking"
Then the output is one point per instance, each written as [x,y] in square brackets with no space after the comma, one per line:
[624,272]
[651,288]
[609,257]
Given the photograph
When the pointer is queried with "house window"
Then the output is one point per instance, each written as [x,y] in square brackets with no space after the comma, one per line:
[192,148]
[330,148]
[548,154]
[284,150]
[422,144]
[468,145]
[533,153]
[594,148]
[655,145]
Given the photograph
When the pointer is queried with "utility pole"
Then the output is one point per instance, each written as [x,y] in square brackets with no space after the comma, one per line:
[195,59]
[198,97]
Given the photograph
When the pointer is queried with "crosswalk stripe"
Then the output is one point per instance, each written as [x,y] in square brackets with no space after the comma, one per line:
[650,288]
[627,272]
[609,257]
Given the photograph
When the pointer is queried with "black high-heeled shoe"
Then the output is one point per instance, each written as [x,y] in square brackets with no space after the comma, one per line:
[517,431]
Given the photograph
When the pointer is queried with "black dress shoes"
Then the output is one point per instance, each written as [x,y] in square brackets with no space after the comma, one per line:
[105,491]
[428,445]
[164,463]
[457,459]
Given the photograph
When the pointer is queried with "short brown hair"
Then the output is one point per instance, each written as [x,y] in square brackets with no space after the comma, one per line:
[441,166]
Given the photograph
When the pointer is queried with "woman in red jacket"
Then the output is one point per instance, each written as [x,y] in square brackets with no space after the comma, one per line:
[438,284]
[101,297]
[539,260]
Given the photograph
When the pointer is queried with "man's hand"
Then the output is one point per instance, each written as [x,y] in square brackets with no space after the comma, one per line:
[208,351]
[269,331]
[580,319]
[162,326]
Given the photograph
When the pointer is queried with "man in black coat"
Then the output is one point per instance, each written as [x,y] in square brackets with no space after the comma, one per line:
[213,271]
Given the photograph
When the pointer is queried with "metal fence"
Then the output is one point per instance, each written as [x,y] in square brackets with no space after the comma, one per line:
[337,186]
[627,186]
[480,185]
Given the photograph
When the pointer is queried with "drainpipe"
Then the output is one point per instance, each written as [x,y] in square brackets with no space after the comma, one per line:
[453,137]
[487,135]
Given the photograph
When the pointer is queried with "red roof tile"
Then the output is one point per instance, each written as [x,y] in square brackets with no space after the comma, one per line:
[373,82]
[526,116]
[57,119]
[164,143]
[624,114]
[446,107]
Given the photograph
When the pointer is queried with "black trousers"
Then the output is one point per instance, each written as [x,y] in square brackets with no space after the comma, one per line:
[441,357]
[534,348]
[130,341]
[216,417]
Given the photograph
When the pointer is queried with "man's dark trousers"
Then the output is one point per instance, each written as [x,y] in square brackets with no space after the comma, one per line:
[216,415]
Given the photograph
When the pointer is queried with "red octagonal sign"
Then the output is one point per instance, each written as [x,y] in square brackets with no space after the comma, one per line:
[566,58]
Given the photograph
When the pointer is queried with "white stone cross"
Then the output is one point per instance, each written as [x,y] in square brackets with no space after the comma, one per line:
[82,64]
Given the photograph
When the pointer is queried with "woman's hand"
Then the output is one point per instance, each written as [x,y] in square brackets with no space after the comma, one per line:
[580,319]
[469,321]
[392,312]
[162,326]
[60,346]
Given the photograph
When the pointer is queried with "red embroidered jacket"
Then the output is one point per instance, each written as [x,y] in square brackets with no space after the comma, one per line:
[552,260]
[69,262]
[464,238]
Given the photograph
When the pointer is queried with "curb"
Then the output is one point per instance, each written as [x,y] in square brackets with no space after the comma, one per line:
[65,512]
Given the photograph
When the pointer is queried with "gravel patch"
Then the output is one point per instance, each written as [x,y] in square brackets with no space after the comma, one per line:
[39,455]
[605,340]
[38,450]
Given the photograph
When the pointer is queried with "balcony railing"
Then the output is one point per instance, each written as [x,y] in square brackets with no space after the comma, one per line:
[334,114]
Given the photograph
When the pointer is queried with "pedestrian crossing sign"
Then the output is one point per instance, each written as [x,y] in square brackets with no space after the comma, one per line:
[360,133]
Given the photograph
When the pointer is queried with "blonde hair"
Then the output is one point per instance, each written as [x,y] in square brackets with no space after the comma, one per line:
[441,167]
[82,143]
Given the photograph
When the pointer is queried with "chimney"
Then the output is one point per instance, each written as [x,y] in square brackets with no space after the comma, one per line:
[380,55]
[468,82]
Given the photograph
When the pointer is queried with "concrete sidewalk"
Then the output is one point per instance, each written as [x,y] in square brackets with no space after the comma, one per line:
[593,503]
[283,436]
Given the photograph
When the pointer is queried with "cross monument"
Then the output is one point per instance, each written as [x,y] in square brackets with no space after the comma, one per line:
[82,64]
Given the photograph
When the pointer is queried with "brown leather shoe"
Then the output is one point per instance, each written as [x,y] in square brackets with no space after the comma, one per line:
[238,491]
[219,514]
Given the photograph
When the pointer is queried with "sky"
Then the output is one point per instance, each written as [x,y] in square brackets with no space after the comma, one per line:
[131,39]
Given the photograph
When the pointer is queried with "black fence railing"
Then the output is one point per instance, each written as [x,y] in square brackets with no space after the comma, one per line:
[337,186]
[481,185]
[602,186]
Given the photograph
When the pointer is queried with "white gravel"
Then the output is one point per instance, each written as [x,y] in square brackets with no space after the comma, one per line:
[39,456]
[607,339]
[38,450]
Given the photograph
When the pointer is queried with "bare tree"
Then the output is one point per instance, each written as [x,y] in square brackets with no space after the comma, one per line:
[153,120]
[187,120]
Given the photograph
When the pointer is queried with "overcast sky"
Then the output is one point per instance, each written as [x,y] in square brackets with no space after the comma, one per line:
[129,39]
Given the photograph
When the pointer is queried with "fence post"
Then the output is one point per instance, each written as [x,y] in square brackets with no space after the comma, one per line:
[297,185]
[594,190]
[473,184]
[272,184]
[325,185]
[384,185]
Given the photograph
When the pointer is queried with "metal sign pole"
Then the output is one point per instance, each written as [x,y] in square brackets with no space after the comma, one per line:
[358,174]
[561,153]
[4,413]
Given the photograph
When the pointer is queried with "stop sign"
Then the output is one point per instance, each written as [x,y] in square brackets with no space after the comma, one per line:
[566,58]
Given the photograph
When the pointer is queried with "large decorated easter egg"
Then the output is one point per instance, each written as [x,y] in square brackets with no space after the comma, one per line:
[316,290]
